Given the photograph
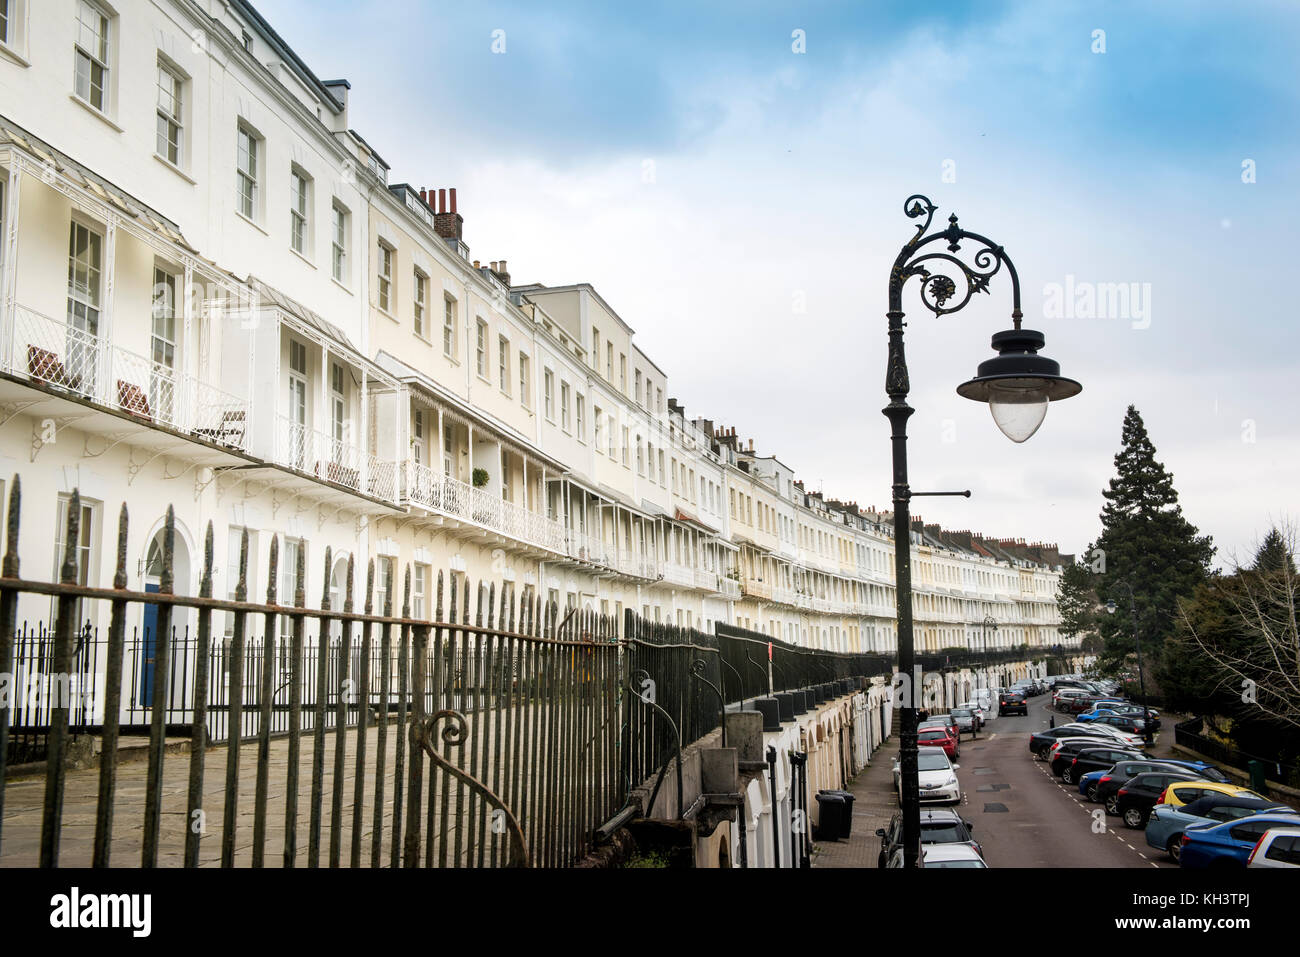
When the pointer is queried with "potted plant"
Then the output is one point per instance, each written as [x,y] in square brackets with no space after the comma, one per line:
[480,477]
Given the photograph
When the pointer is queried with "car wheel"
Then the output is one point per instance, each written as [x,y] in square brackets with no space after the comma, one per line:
[1042,752]
[1134,818]
[1092,793]
[1112,805]
[1067,775]
[1175,847]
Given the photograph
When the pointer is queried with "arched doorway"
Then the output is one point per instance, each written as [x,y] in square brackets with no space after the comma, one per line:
[153,569]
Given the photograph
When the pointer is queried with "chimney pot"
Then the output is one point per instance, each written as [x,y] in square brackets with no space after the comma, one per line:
[453,199]
[442,201]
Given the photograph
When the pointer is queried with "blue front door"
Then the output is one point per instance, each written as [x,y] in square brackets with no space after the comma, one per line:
[150,628]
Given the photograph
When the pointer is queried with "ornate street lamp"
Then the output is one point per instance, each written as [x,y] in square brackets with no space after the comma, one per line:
[989,622]
[1017,384]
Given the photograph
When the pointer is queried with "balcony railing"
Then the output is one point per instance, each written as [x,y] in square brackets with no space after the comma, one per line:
[678,575]
[757,589]
[729,588]
[325,457]
[706,580]
[442,493]
[77,361]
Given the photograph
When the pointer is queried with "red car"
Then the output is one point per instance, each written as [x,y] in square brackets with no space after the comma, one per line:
[938,738]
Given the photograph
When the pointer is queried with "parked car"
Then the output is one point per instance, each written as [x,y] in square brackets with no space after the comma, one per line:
[1180,793]
[967,719]
[951,855]
[1012,702]
[1107,790]
[1098,785]
[1095,759]
[1061,699]
[1136,710]
[981,712]
[1227,846]
[939,825]
[947,719]
[1040,742]
[1139,794]
[1277,847]
[937,777]
[939,738]
[1127,723]
[1166,825]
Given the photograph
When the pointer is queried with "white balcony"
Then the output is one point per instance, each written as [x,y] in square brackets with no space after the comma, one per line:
[706,580]
[729,588]
[679,575]
[324,457]
[50,353]
[476,506]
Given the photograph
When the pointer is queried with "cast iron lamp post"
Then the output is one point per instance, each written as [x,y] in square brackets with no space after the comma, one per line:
[1111,608]
[1017,384]
[989,622]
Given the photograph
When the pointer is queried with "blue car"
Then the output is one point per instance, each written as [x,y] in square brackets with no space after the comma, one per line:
[1167,823]
[1227,846]
[1207,771]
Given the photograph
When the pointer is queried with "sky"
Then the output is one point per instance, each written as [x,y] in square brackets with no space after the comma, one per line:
[731,178]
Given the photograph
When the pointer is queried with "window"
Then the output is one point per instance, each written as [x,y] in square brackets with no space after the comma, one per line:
[339,243]
[246,173]
[417,436]
[338,406]
[503,363]
[162,381]
[659,400]
[625,448]
[640,457]
[287,588]
[385,278]
[82,549]
[598,420]
[449,327]
[637,394]
[298,403]
[171,127]
[525,394]
[481,349]
[622,373]
[611,437]
[579,416]
[421,297]
[662,480]
[609,362]
[298,211]
[548,389]
[92,55]
[246,39]
[595,348]
[419,591]
[4,21]
[649,394]
[564,406]
[85,248]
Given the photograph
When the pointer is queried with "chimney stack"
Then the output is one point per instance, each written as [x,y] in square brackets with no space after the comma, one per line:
[447,223]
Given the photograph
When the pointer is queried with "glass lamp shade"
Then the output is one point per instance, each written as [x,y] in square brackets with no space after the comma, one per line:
[1018,406]
[1018,383]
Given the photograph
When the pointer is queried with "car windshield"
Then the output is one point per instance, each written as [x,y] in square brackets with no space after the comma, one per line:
[954,863]
[961,712]
[932,762]
[1213,774]
[941,832]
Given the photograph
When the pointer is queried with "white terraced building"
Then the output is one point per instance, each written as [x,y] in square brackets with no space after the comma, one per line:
[213,297]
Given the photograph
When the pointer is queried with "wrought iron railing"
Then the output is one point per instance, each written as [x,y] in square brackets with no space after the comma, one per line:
[56,355]
[486,735]
[330,459]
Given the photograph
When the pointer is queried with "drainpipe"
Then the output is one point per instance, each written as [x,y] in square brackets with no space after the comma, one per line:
[776,828]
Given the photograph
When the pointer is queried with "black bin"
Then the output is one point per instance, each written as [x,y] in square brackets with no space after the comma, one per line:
[832,821]
[847,797]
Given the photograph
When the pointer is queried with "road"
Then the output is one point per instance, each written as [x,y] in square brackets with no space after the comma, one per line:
[1024,816]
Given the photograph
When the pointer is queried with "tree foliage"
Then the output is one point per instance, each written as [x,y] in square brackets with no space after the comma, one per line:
[1146,544]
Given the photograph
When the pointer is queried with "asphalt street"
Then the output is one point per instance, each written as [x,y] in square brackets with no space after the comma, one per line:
[1022,814]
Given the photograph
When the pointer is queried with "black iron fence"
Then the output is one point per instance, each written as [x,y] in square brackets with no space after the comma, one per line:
[755,664]
[486,736]
[1188,734]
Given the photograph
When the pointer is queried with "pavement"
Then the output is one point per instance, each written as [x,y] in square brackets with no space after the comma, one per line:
[873,805]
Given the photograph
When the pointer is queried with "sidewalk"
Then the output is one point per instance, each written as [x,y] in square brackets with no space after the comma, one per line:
[874,804]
